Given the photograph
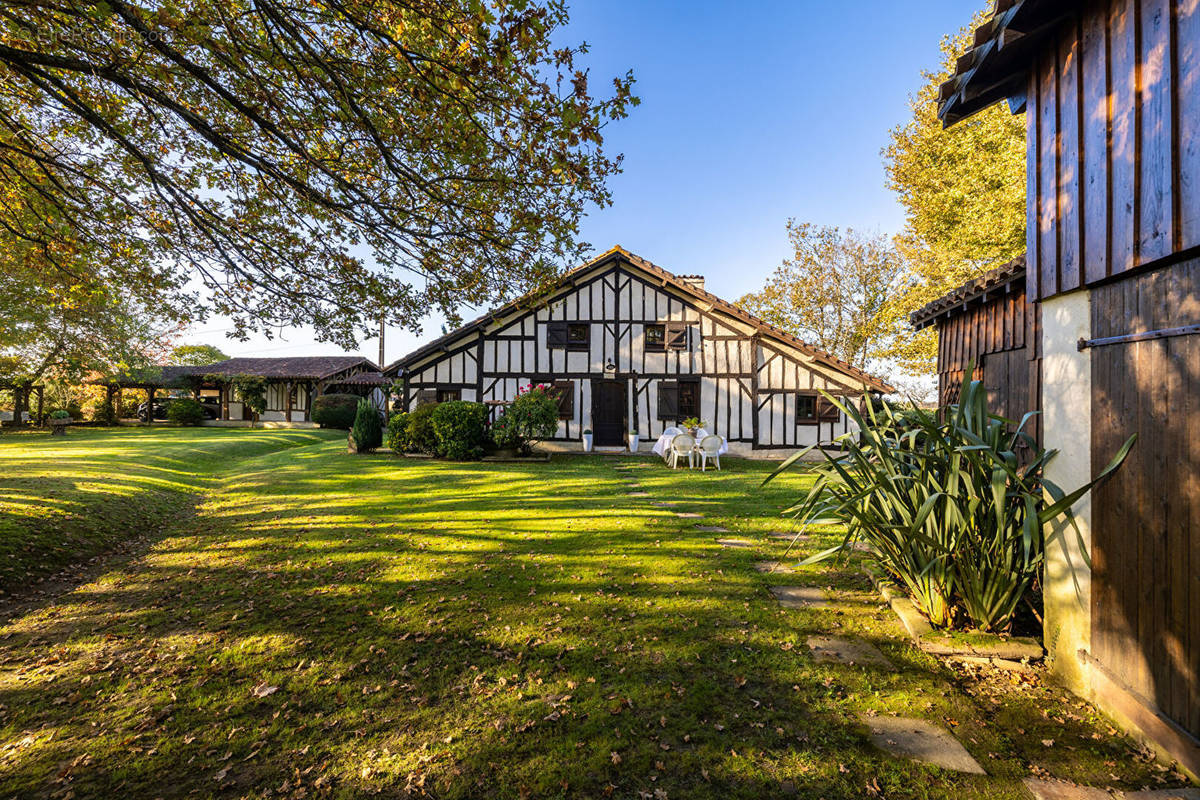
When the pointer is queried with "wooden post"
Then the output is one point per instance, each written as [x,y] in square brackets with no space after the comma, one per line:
[20,403]
[41,406]
[150,405]
[110,392]
[290,388]
[224,401]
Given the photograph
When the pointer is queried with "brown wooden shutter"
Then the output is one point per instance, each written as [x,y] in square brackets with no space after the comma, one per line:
[677,336]
[668,400]
[827,411]
[556,334]
[566,399]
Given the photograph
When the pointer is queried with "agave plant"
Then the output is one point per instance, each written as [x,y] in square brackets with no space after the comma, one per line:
[953,503]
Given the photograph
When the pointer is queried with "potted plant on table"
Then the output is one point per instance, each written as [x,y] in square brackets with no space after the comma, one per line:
[587,440]
[692,425]
[58,421]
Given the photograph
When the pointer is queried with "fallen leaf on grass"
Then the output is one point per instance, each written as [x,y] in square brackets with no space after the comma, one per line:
[262,690]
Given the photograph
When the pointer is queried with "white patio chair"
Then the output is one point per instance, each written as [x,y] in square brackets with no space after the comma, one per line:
[710,450]
[681,445]
[671,431]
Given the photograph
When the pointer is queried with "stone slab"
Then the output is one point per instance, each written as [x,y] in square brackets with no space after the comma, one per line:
[832,650]
[920,741]
[800,597]
[1185,793]
[777,567]
[1058,790]
[688,515]
[734,543]
[711,529]
[664,503]
[639,494]
[787,537]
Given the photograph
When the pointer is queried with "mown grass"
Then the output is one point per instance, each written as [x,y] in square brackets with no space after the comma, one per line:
[333,626]
[65,499]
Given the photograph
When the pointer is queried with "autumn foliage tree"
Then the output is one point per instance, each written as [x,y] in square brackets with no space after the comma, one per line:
[319,164]
[833,292]
[963,191]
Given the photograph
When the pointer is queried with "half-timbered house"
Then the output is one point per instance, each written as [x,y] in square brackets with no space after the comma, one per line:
[635,349]
[1110,90]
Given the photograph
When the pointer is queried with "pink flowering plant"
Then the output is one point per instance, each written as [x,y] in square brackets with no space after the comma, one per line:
[528,419]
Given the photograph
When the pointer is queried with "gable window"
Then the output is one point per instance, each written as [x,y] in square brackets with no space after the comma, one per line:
[568,335]
[666,336]
[678,399]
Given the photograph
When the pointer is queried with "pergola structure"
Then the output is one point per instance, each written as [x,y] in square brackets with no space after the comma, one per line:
[21,392]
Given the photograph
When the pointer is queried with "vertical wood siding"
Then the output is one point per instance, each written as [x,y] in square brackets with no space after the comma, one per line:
[1114,143]
[1146,521]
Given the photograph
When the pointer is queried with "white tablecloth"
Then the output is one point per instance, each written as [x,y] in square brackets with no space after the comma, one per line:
[664,443]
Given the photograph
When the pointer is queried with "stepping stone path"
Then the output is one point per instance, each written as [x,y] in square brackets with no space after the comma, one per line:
[639,494]
[787,537]
[773,566]
[800,597]
[831,650]
[1058,790]
[921,741]
[663,503]
[712,529]
[734,543]
[689,515]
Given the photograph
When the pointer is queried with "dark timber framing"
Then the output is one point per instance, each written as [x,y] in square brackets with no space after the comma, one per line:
[746,369]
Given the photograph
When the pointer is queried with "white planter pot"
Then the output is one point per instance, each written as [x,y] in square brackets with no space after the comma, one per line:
[633,442]
[587,443]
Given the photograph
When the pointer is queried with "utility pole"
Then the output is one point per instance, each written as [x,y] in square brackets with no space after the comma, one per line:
[382,364]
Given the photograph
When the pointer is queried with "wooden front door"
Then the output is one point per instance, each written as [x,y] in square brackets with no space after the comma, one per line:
[608,413]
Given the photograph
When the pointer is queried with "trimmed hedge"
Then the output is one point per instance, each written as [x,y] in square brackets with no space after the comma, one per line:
[461,429]
[335,410]
[420,435]
[185,411]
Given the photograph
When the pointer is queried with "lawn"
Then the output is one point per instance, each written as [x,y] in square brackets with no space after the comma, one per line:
[325,625]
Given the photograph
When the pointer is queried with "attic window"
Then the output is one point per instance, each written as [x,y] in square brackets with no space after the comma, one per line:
[666,336]
[568,335]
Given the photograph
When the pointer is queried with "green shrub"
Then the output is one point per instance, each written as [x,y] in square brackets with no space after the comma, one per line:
[59,413]
[368,429]
[397,432]
[105,412]
[421,437]
[335,410]
[461,429]
[945,503]
[185,411]
[528,419]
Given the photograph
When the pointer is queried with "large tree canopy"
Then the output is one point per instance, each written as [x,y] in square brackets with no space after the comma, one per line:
[326,163]
[833,292]
[963,190]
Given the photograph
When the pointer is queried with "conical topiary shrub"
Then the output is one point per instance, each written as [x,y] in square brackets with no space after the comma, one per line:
[367,430]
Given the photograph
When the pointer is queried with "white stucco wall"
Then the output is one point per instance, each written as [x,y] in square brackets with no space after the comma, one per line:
[1067,427]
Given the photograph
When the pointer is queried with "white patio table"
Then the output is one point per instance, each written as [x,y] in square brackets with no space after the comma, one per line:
[664,443]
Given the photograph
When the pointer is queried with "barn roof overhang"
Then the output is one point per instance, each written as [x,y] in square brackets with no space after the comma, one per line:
[996,66]
[994,283]
[302,368]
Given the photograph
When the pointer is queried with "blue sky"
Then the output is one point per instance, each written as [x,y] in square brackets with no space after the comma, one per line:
[751,113]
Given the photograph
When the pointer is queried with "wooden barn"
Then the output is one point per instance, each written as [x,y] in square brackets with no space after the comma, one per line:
[989,323]
[1111,93]
[635,349]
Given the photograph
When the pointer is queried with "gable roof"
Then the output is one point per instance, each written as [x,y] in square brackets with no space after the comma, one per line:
[979,290]
[996,66]
[615,254]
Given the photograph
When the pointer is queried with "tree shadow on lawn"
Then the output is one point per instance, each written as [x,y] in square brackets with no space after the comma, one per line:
[296,639]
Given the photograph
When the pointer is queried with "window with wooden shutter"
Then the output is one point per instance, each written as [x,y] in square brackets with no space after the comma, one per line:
[426,396]
[568,335]
[566,399]
[827,411]
[689,399]
[447,395]
[655,338]
[806,409]
[677,336]
[668,400]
